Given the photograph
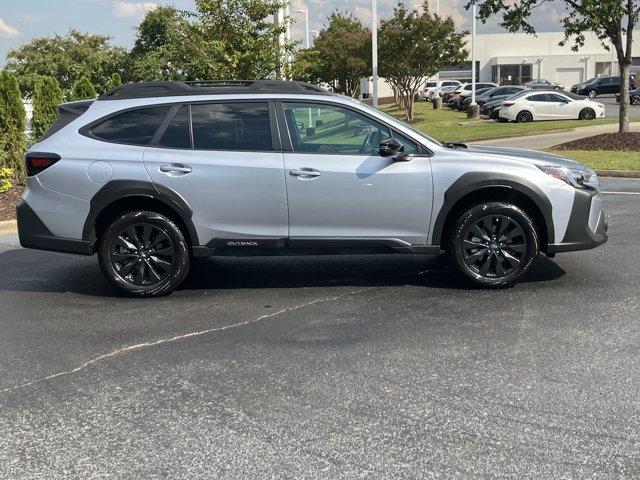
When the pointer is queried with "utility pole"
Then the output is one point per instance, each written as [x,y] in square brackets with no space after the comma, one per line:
[374,49]
[473,112]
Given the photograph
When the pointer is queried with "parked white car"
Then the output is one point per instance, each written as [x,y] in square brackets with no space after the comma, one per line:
[550,106]
[432,88]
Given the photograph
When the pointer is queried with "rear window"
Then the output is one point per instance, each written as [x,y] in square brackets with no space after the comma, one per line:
[134,127]
[231,126]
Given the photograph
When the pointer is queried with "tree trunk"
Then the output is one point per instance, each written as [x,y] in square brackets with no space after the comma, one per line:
[624,97]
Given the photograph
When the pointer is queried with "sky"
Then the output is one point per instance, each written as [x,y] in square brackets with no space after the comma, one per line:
[23,20]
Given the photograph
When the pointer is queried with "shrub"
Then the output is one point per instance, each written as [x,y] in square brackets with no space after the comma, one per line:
[115,80]
[5,182]
[12,124]
[47,96]
[83,89]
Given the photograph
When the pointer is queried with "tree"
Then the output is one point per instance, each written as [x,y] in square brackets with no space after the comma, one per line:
[340,57]
[83,89]
[12,137]
[415,45]
[612,21]
[67,58]
[115,80]
[232,39]
[47,95]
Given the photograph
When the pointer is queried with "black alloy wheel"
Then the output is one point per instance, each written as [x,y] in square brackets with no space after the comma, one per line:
[524,117]
[144,253]
[587,114]
[493,244]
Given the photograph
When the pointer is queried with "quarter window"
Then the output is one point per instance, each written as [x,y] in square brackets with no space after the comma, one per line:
[331,129]
[231,126]
[134,127]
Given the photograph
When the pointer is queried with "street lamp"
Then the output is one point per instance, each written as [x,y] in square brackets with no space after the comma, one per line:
[374,49]
[306,22]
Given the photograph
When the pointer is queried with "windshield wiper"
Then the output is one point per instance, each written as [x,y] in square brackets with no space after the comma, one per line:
[454,145]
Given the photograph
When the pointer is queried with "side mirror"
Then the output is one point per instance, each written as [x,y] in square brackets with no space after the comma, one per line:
[392,148]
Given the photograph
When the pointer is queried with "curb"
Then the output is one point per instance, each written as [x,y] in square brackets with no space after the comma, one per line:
[619,173]
[8,227]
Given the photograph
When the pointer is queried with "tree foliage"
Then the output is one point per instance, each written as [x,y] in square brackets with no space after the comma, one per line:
[612,21]
[233,39]
[414,45]
[115,80]
[66,58]
[83,90]
[340,57]
[47,95]
[12,124]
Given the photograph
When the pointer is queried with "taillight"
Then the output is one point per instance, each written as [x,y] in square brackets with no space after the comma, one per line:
[37,162]
[508,104]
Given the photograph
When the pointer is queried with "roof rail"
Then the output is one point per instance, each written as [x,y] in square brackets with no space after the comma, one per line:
[209,87]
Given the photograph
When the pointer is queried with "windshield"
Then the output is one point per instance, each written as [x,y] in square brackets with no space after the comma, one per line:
[393,119]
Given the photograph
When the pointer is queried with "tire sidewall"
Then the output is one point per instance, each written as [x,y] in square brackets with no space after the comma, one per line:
[468,218]
[182,254]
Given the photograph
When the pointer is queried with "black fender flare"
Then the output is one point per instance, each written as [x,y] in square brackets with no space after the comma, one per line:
[119,189]
[475,181]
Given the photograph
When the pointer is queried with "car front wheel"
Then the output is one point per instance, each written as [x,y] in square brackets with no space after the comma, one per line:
[493,244]
[587,114]
[592,94]
[144,254]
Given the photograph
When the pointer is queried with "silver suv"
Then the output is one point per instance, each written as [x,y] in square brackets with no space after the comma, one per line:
[151,175]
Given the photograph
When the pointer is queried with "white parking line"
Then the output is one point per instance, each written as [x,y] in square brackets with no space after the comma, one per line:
[623,193]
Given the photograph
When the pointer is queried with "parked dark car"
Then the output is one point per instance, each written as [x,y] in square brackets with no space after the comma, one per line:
[464,102]
[542,84]
[600,86]
[634,97]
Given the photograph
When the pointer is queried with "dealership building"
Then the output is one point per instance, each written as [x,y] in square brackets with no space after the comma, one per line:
[516,58]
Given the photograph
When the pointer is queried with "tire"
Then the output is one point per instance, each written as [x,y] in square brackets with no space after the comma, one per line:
[635,100]
[587,114]
[592,94]
[503,255]
[524,117]
[144,254]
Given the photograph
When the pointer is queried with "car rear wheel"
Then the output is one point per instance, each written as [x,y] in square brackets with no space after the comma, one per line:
[524,117]
[144,254]
[493,244]
[635,100]
[587,114]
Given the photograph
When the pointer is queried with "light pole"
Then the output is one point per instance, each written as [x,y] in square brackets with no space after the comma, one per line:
[306,23]
[473,57]
[287,35]
[438,72]
[374,49]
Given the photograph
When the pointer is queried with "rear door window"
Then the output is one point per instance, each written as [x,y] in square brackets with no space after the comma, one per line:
[178,133]
[133,127]
[231,126]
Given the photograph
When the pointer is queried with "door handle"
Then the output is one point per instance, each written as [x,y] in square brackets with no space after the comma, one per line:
[305,172]
[175,168]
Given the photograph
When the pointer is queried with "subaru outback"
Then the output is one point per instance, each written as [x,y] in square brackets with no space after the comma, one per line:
[152,175]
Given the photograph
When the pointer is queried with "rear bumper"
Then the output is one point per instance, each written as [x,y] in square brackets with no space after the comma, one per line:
[34,234]
[587,226]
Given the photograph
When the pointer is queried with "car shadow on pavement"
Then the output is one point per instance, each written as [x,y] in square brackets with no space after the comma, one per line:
[33,271]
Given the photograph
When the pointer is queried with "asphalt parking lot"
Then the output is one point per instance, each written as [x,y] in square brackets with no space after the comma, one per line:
[612,108]
[326,367]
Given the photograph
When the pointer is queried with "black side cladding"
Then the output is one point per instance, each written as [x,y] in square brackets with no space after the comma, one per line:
[68,112]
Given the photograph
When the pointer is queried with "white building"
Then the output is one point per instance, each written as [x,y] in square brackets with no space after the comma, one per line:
[516,58]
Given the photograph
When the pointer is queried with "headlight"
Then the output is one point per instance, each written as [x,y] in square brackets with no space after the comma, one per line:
[576,178]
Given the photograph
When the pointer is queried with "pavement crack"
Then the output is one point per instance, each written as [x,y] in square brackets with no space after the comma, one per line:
[162,341]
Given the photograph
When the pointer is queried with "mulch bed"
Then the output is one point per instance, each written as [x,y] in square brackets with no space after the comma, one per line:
[8,201]
[624,142]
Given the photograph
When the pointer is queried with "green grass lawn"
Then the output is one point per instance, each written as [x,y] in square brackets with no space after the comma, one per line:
[443,125]
[604,159]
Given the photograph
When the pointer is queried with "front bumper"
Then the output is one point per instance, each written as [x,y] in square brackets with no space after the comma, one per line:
[587,226]
[34,234]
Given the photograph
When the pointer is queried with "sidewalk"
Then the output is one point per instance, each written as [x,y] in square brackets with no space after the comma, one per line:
[548,140]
